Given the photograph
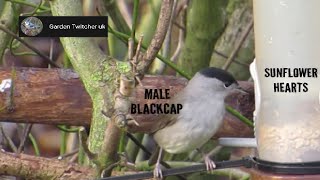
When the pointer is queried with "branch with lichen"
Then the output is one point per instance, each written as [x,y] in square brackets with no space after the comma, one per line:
[99,74]
[121,110]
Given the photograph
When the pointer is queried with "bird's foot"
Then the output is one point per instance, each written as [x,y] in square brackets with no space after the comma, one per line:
[157,172]
[210,165]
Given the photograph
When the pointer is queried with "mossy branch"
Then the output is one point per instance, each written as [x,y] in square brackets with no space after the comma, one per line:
[99,74]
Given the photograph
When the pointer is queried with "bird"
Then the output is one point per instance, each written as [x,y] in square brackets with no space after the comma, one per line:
[200,118]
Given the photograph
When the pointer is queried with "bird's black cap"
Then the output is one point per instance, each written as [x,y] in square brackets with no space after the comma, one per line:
[220,74]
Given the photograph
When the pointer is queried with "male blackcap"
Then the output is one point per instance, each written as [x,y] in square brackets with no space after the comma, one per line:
[200,118]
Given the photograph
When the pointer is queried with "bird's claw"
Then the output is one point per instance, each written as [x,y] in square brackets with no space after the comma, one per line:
[157,172]
[210,165]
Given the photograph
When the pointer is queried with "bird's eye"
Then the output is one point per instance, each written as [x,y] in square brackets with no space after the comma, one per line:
[227,84]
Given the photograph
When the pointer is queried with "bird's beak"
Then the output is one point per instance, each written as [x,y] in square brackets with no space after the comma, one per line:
[240,89]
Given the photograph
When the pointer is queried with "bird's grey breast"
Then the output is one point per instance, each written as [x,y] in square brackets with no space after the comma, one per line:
[198,120]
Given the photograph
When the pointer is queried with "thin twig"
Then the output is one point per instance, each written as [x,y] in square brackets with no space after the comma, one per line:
[32,139]
[68,154]
[80,155]
[135,60]
[180,7]
[138,50]
[183,28]
[26,130]
[83,137]
[51,51]
[63,141]
[238,46]
[140,145]
[8,139]
[34,144]
[69,130]
[45,57]
[135,18]
[226,57]
[242,118]
[74,158]
[182,34]
[19,53]
[167,41]
[131,50]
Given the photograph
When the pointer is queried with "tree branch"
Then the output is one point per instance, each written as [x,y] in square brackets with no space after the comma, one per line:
[83,138]
[52,94]
[159,36]
[97,71]
[32,167]
[57,96]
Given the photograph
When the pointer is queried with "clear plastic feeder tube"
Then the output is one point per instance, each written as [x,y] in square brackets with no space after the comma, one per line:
[286,70]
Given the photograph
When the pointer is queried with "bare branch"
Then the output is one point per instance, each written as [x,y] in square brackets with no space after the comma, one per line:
[8,139]
[57,96]
[182,33]
[31,167]
[159,36]
[26,131]
[135,61]
[50,87]
[68,154]
[83,137]
[158,66]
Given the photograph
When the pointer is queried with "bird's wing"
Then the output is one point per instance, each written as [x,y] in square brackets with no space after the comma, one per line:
[165,120]
[162,121]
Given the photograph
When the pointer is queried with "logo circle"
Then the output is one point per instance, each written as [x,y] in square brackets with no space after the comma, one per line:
[31,26]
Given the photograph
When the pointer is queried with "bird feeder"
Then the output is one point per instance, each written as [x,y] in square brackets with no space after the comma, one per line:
[287,86]
[287,94]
